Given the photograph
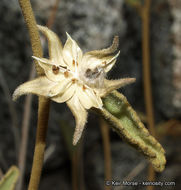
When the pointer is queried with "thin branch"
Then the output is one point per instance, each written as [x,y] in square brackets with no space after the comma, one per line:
[140,167]
[33,31]
[107,152]
[77,167]
[146,75]
[43,114]
[75,171]
[12,112]
[49,151]
[27,113]
[146,66]
[134,172]
[51,19]
[24,135]
[44,103]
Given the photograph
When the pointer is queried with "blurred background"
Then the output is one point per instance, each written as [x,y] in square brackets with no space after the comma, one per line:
[93,25]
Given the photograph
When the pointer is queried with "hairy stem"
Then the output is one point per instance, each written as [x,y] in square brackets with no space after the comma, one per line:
[43,113]
[27,111]
[43,110]
[33,31]
[147,78]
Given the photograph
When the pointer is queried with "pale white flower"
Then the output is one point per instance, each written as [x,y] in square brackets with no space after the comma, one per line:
[73,77]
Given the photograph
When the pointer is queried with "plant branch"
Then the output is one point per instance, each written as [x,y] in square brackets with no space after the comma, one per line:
[43,106]
[77,167]
[107,152]
[146,75]
[43,113]
[133,173]
[24,135]
[146,66]
[33,31]
[51,19]
[27,111]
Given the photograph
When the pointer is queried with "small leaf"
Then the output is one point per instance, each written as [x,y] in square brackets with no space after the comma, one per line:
[127,124]
[9,180]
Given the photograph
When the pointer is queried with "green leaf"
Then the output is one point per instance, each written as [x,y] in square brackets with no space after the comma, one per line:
[128,125]
[9,180]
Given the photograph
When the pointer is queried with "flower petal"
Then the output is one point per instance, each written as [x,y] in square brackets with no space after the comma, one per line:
[101,58]
[54,46]
[72,52]
[60,88]
[80,115]
[66,95]
[43,60]
[88,98]
[110,62]
[40,86]
[111,85]
[47,66]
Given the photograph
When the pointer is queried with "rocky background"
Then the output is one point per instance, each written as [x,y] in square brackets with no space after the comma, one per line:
[93,24]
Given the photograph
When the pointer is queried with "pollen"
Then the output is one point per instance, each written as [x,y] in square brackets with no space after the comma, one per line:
[55,69]
[66,74]
[84,88]
[74,62]
[74,80]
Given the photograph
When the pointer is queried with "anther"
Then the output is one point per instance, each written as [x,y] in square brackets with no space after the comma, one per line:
[74,80]
[84,88]
[73,63]
[66,74]
[55,69]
